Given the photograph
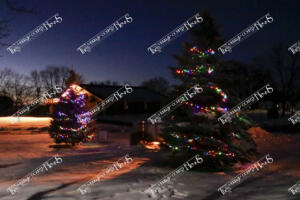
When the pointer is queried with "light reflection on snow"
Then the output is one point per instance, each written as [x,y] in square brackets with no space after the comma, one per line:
[24,122]
[25,119]
[24,147]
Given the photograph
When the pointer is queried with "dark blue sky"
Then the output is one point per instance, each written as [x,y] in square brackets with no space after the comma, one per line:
[123,56]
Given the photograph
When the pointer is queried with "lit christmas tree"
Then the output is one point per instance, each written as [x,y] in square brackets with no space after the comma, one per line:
[195,129]
[70,118]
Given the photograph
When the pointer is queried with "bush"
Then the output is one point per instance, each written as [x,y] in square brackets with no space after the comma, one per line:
[6,105]
[286,127]
[273,112]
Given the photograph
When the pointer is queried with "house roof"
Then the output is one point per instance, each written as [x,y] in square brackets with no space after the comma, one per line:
[139,93]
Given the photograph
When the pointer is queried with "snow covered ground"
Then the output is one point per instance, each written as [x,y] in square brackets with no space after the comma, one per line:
[26,145]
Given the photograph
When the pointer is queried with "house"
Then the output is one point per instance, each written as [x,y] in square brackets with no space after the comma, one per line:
[140,102]
[131,110]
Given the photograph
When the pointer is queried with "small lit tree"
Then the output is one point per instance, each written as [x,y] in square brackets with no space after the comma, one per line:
[69,124]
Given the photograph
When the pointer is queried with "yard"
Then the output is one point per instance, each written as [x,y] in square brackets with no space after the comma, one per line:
[26,145]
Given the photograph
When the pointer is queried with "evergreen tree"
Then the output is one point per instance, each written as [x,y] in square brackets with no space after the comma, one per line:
[70,118]
[195,128]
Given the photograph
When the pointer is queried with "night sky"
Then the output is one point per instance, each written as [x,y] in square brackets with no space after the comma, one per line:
[123,56]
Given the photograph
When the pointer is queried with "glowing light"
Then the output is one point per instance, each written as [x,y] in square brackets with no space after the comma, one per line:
[151,145]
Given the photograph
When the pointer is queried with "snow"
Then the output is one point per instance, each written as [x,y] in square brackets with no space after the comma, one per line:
[23,150]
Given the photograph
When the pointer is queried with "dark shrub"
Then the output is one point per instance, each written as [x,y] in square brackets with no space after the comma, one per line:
[273,112]
[6,104]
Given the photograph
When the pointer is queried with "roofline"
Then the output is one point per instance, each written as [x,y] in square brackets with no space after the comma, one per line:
[142,87]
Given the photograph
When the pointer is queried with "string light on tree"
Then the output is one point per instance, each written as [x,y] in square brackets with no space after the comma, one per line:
[198,69]
[194,144]
[202,54]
